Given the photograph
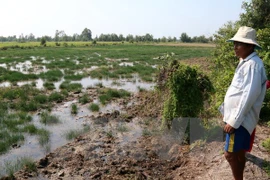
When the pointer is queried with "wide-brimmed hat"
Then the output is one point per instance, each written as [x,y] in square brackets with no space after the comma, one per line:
[246,35]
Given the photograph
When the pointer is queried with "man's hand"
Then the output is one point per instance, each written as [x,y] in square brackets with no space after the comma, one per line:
[228,129]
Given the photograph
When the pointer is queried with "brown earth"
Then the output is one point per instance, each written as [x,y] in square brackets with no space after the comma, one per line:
[141,150]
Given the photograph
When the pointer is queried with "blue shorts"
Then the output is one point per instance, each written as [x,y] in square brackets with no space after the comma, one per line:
[238,140]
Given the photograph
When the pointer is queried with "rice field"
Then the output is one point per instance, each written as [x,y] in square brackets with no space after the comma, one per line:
[35,79]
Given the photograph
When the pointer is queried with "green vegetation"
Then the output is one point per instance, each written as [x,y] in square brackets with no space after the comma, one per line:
[11,128]
[106,95]
[43,137]
[27,163]
[57,97]
[71,87]
[94,107]
[74,108]
[224,58]
[49,119]
[49,85]
[84,99]
[146,132]
[72,134]
[52,75]
[72,62]
[186,90]
[266,167]
[266,144]
[122,127]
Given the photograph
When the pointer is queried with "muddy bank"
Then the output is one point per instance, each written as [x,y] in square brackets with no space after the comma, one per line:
[142,151]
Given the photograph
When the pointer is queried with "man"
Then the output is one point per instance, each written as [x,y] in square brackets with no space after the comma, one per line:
[243,100]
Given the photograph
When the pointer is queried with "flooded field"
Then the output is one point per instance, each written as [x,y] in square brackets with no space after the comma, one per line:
[54,79]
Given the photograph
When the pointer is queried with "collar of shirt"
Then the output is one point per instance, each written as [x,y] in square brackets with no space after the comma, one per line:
[249,57]
[242,61]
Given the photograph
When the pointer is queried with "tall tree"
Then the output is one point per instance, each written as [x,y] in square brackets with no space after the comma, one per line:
[257,14]
[86,35]
[185,38]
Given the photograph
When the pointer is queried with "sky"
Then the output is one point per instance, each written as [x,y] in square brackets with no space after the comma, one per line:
[137,17]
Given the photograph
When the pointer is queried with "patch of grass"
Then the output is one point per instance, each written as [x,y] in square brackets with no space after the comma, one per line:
[122,128]
[71,87]
[116,83]
[29,164]
[14,76]
[49,85]
[266,167]
[109,134]
[25,162]
[41,98]
[266,144]
[141,89]
[55,96]
[108,94]
[27,106]
[12,127]
[47,118]
[100,85]
[84,99]
[8,139]
[30,128]
[43,137]
[72,134]
[51,75]
[146,132]
[74,77]
[74,108]
[94,107]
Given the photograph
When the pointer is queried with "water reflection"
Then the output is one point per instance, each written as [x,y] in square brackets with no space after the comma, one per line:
[126,84]
[32,148]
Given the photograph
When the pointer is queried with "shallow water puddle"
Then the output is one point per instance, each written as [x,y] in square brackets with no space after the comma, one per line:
[126,84]
[32,148]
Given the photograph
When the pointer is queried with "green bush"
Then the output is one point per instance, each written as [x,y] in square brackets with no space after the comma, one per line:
[186,90]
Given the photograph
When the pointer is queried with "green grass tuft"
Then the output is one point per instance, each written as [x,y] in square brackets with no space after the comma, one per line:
[94,107]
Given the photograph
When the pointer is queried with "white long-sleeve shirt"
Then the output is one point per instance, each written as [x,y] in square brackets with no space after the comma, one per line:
[244,97]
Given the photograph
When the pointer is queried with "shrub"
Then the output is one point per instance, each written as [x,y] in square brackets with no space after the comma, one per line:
[43,41]
[187,89]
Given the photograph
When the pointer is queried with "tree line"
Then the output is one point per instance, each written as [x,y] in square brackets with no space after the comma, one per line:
[86,35]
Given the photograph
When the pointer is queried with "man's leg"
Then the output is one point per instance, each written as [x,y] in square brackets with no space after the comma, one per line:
[237,161]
